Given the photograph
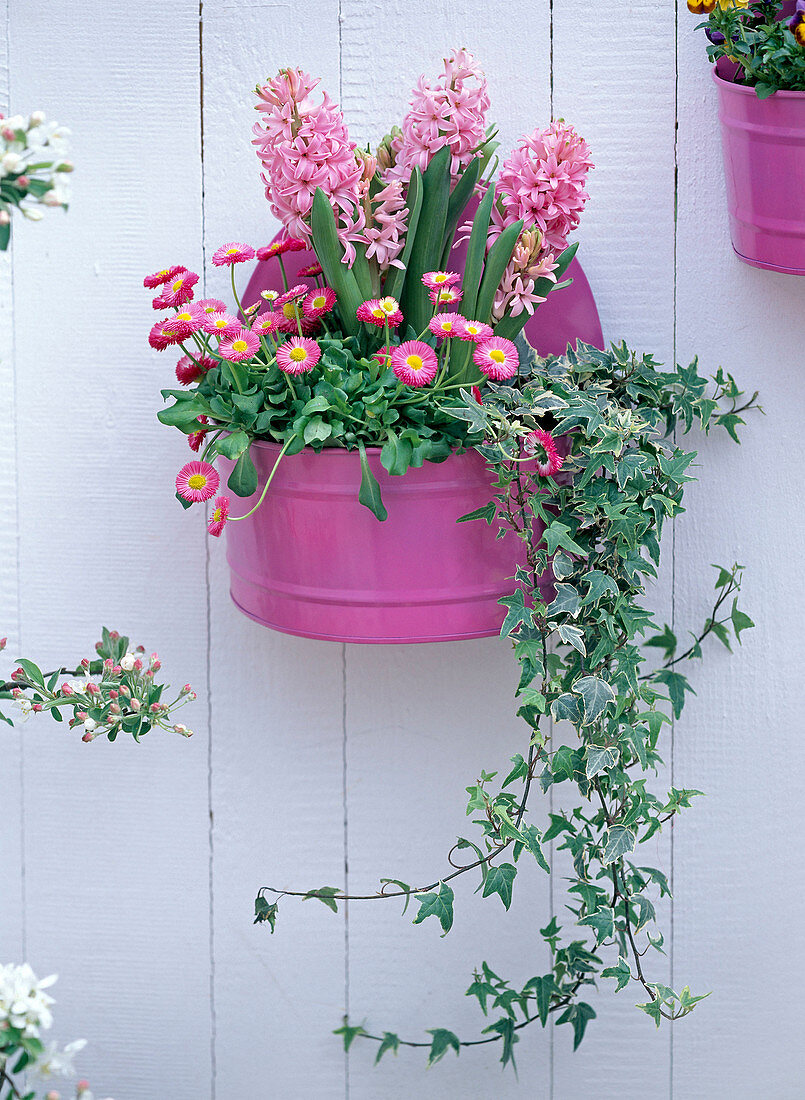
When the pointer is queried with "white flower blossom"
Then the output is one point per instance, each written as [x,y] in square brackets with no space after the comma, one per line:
[11,162]
[127,662]
[57,1061]
[23,1003]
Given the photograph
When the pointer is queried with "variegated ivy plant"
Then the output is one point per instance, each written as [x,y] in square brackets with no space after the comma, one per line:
[600,683]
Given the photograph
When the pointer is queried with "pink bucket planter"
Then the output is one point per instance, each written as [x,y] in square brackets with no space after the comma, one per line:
[313,561]
[763,142]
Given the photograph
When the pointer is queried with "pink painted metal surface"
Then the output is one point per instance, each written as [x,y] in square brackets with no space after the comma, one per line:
[313,561]
[763,142]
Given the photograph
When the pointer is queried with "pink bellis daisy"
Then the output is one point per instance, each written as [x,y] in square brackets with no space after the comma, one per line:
[195,439]
[298,355]
[414,363]
[159,278]
[241,345]
[197,481]
[221,325]
[291,320]
[189,320]
[475,331]
[318,303]
[178,291]
[279,248]
[163,334]
[220,514]
[210,305]
[542,446]
[232,253]
[496,358]
[311,271]
[446,325]
[380,312]
[446,296]
[382,357]
[265,323]
[434,279]
[188,370]
[391,308]
[292,295]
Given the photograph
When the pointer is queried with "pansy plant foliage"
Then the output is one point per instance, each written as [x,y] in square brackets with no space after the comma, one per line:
[600,682]
[763,42]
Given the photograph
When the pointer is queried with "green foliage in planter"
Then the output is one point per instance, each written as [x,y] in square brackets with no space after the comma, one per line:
[769,51]
[348,400]
[600,683]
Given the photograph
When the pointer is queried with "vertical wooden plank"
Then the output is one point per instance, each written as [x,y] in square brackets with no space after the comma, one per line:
[11,866]
[423,720]
[740,740]
[614,80]
[116,835]
[277,701]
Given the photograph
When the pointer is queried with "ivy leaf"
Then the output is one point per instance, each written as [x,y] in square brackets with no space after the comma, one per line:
[579,1016]
[544,989]
[596,693]
[349,1033]
[443,1041]
[505,1028]
[558,534]
[598,759]
[499,881]
[602,922]
[265,912]
[621,973]
[652,1009]
[600,584]
[572,635]
[518,612]
[619,842]
[390,1042]
[404,887]
[519,771]
[439,905]
[677,685]
[567,708]
[481,991]
[532,842]
[740,621]
[326,894]
[487,513]
[567,602]
[665,641]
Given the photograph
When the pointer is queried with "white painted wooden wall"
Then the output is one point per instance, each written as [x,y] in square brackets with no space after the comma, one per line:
[131,870]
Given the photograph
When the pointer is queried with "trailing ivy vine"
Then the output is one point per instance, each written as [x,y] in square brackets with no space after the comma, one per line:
[599,680]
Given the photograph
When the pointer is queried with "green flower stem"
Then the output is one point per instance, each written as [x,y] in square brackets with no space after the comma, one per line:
[282,272]
[269,479]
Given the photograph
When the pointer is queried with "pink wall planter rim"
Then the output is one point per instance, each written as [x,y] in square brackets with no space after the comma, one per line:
[763,145]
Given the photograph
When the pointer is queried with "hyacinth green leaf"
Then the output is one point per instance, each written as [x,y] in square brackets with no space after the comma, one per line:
[426,249]
[496,263]
[360,269]
[243,479]
[369,492]
[331,257]
[456,204]
[395,280]
[543,287]
[476,250]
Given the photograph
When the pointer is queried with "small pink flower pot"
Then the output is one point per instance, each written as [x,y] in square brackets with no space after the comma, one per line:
[763,142]
[313,561]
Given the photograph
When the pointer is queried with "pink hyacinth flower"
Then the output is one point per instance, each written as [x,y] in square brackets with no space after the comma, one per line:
[197,481]
[232,253]
[241,345]
[496,358]
[414,363]
[542,446]
[298,355]
[220,514]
